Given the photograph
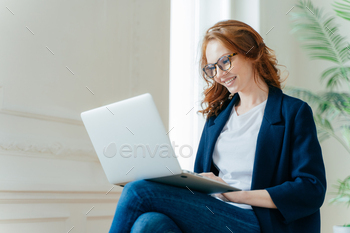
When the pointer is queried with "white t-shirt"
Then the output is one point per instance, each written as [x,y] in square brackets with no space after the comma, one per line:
[235,147]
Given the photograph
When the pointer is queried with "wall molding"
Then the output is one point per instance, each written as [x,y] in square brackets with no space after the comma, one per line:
[35,197]
[53,149]
[35,217]
[25,197]
[40,117]
[98,214]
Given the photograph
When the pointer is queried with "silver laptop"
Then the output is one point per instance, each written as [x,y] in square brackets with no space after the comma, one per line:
[131,144]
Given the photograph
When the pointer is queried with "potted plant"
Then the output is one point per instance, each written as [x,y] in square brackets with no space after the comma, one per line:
[320,36]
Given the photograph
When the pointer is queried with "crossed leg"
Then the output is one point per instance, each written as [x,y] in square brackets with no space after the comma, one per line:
[175,209]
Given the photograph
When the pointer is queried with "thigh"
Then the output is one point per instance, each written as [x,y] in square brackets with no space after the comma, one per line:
[154,222]
[192,211]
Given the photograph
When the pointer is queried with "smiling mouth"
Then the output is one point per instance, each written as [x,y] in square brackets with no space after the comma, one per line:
[230,80]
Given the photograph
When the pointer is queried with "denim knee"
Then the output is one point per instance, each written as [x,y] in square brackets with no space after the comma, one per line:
[136,184]
[154,222]
[139,188]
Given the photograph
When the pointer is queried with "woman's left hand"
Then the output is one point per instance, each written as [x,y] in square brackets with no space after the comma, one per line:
[259,198]
[212,176]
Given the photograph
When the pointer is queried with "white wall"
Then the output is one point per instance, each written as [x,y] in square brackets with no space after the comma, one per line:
[306,73]
[49,173]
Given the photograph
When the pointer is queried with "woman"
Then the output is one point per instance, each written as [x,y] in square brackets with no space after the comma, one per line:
[255,138]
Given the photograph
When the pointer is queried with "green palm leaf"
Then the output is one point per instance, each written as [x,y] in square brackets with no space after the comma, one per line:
[319,35]
[322,135]
[342,9]
[343,195]
[333,74]
[337,102]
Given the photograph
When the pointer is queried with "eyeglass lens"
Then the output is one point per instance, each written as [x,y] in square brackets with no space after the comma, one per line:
[223,63]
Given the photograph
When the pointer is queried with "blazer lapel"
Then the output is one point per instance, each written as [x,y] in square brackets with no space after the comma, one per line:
[269,141]
[214,129]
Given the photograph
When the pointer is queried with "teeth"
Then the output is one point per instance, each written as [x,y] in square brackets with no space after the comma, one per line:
[228,81]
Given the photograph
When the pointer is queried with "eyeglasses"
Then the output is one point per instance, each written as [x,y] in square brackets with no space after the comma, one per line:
[224,63]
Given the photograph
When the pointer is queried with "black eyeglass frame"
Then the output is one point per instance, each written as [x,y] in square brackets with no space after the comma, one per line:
[216,65]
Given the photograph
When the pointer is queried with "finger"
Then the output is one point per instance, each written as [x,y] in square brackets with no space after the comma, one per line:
[205,173]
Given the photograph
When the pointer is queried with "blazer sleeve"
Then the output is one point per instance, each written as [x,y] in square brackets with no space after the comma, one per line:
[304,193]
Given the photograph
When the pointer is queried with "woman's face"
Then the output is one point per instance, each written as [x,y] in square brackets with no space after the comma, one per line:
[241,75]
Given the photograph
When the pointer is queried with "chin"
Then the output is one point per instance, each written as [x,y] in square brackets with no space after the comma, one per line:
[232,90]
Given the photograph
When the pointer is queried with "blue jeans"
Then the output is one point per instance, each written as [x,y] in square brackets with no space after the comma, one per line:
[148,206]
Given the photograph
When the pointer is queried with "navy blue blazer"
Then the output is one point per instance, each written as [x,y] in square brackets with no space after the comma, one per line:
[288,163]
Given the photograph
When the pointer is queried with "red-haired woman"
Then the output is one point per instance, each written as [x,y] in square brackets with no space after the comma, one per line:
[255,138]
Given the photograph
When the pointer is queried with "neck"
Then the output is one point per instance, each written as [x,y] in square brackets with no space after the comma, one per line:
[253,95]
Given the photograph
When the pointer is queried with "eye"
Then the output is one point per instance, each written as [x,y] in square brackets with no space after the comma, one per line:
[211,67]
[225,61]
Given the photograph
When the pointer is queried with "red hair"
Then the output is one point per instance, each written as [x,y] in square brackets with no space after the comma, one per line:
[243,39]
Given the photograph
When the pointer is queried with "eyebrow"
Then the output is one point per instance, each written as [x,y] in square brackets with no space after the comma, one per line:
[225,54]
